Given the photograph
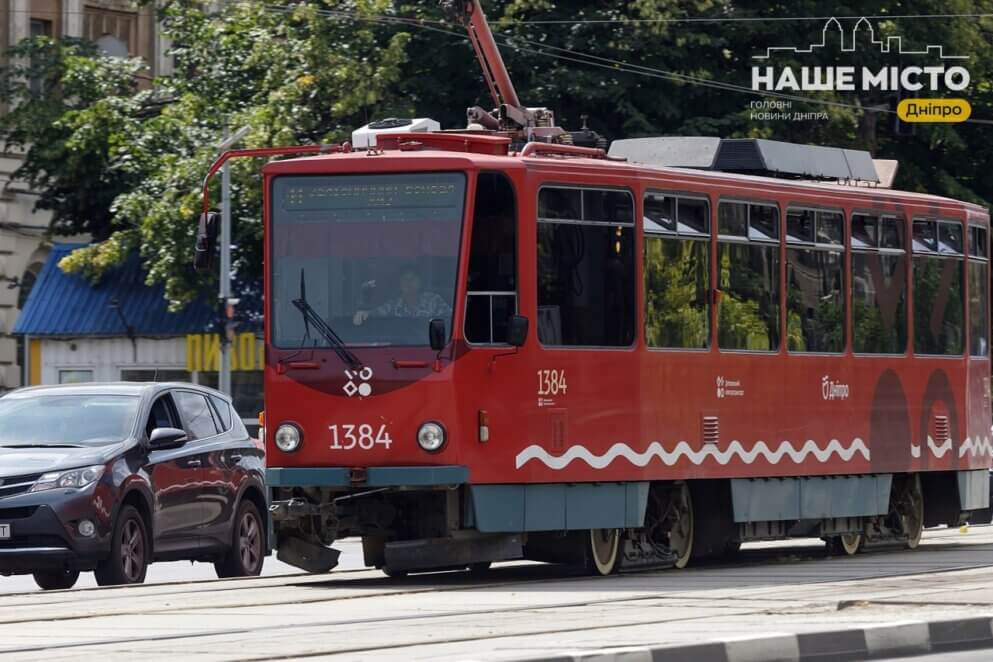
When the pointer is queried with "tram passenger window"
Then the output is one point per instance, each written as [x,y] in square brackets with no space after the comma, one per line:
[763,221]
[677,273]
[879,285]
[815,300]
[491,297]
[732,219]
[748,314]
[891,233]
[977,241]
[800,225]
[979,292]
[660,213]
[939,309]
[830,228]
[752,220]
[865,231]
[586,292]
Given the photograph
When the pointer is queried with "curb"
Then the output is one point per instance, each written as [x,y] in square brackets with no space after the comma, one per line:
[894,640]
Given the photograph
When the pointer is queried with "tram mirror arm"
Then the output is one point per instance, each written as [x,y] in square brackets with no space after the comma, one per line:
[517,330]
[436,334]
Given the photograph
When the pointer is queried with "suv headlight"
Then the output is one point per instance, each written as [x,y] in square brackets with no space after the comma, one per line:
[71,479]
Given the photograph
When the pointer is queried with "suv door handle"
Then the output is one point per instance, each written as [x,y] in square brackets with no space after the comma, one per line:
[193,463]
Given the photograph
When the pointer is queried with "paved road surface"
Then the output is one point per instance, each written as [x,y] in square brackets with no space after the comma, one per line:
[516,611]
[184,571]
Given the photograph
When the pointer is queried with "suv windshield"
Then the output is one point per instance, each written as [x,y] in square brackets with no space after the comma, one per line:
[58,420]
[375,256]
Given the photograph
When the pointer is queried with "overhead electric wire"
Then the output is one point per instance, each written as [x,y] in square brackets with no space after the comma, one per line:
[609,64]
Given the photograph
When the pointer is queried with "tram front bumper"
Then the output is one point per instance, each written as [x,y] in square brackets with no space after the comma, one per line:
[363,477]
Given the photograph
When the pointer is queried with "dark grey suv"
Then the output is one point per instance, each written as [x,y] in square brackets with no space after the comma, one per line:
[109,477]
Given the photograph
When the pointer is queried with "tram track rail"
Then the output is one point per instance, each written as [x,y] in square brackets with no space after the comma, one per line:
[531,579]
[438,582]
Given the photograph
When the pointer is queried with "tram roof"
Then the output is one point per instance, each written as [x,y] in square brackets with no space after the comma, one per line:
[611,172]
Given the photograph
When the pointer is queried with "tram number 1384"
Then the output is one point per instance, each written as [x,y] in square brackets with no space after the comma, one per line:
[552,382]
[364,436]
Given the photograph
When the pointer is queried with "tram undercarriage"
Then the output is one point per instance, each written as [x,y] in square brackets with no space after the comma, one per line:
[412,530]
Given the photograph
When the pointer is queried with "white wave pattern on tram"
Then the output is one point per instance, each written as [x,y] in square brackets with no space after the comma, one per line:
[976,447]
[936,450]
[655,450]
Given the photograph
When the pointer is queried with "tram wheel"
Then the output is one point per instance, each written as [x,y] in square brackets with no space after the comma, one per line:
[679,522]
[910,509]
[603,556]
[847,544]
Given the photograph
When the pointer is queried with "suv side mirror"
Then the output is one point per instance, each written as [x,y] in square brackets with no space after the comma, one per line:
[203,256]
[517,330]
[166,438]
[436,334]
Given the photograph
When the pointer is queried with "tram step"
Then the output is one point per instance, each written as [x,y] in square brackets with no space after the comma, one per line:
[306,555]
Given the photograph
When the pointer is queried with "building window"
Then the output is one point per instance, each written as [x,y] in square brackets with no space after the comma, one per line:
[491,299]
[938,293]
[677,271]
[879,285]
[75,376]
[748,276]
[113,31]
[586,292]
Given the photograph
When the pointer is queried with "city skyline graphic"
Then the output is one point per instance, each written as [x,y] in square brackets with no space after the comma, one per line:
[890,45]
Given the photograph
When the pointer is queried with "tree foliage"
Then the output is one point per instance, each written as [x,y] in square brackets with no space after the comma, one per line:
[121,157]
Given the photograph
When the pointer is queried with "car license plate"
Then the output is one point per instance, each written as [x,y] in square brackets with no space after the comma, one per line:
[4,531]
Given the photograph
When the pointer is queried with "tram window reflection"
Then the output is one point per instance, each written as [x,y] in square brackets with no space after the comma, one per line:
[677,272]
[491,297]
[748,315]
[938,305]
[879,303]
[979,292]
[586,291]
[815,300]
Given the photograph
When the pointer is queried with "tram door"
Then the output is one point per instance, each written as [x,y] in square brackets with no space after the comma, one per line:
[491,300]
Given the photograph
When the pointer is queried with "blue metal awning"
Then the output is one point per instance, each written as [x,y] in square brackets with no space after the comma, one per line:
[66,305]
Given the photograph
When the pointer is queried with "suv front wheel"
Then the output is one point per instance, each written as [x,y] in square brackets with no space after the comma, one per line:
[129,551]
[246,553]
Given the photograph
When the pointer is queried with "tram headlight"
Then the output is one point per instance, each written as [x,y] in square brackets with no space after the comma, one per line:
[431,436]
[288,437]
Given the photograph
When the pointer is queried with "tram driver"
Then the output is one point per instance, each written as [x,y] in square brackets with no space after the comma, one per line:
[412,302]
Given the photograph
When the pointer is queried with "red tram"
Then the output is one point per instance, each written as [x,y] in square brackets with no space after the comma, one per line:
[495,344]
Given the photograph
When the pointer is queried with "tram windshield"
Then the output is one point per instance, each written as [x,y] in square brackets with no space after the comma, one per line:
[375,256]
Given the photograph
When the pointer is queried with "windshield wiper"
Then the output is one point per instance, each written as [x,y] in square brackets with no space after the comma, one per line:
[310,316]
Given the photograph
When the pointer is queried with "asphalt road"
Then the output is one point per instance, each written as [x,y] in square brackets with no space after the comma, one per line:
[184,571]
[515,612]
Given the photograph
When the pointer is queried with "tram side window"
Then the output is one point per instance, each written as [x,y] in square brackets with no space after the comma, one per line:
[979,292]
[748,276]
[491,297]
[677,271]
[879,285]
[586,291]
[938,293]
[815,282]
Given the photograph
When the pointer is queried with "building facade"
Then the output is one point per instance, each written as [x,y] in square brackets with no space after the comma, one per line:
[121,29]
